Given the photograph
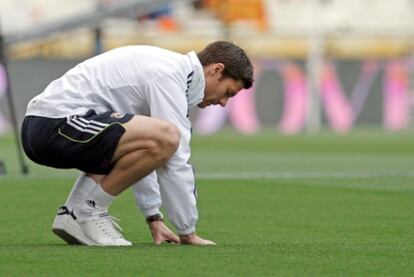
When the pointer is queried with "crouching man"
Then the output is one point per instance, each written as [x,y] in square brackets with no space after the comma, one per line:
[121,118]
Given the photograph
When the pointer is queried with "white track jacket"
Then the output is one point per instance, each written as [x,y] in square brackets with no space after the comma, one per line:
[141,80]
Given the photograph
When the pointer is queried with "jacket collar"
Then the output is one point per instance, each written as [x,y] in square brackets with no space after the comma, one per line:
[196,82]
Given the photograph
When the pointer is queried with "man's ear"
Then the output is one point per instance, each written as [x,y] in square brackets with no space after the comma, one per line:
[218,68]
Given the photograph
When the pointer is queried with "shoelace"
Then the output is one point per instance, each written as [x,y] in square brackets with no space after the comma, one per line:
[109,226]
[115,223]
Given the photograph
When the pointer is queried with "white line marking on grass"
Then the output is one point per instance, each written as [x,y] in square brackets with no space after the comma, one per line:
[302,174]
[264,175]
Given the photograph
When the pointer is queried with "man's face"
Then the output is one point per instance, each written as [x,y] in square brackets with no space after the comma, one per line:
[218,89]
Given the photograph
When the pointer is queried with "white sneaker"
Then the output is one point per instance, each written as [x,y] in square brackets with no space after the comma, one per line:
[66,227]
[101,228]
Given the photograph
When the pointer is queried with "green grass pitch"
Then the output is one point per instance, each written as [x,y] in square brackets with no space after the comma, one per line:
[322,205]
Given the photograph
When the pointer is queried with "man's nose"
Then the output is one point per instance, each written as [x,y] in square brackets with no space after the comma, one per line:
[223,101]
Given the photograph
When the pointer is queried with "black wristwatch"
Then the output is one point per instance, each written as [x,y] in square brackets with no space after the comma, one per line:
[155,217]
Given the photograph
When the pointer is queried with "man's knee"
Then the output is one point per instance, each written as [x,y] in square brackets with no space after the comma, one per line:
[161,138]
[168,140]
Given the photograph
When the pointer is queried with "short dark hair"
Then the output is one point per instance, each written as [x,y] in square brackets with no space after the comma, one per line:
[237,64]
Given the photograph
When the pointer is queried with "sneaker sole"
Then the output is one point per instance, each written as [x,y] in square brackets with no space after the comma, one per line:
[66,237]
[68,233]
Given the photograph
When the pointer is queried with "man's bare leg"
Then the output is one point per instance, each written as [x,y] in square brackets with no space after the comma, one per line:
[146,145]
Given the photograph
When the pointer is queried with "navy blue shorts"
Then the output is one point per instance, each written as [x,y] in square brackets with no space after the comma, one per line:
[86,142]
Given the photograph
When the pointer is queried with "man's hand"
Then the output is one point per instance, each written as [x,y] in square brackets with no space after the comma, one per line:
[161,233]
[193,239]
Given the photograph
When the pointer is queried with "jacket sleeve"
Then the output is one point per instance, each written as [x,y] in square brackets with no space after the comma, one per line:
[167,101]
[147,195]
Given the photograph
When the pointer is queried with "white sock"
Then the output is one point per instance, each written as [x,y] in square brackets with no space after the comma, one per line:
[102,200]
[82,187]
